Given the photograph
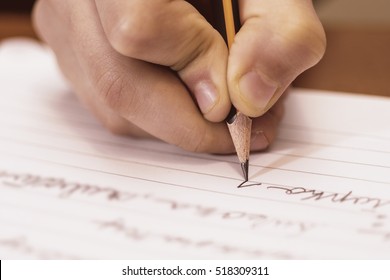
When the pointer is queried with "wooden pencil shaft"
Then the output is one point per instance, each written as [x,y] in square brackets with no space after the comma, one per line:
[239,125]
[240,130]
[229,21]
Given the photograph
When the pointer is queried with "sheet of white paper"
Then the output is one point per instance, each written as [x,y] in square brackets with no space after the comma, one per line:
[69,189]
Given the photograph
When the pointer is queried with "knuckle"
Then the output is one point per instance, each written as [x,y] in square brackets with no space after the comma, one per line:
[199,45]
[125,37]
[132,34]
[110,88]
[118,94]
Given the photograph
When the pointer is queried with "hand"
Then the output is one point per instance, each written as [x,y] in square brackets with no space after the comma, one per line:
[158,68]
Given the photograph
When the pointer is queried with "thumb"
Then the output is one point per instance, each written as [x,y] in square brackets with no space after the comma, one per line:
[278,40]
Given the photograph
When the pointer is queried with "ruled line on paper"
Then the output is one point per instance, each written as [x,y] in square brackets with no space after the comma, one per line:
[219,221]
[69,150]
[182,170]
[303,142]
[213,159]
[123,144]
[216,175]
[62,134]
[308,194]
[298,226]
[108,221]
[312,145]
[88,121]
[156,216]
[333,131]
[42,116]
[327,159]
[323,174]
[115,222]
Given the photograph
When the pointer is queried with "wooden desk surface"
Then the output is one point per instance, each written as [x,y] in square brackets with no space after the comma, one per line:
[15,24]
[356,60]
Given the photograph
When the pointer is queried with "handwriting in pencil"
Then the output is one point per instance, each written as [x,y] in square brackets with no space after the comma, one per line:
[21,244]
[248,184]
[380,227]
[136,234]
[65,189]
[381,233]
[308,194]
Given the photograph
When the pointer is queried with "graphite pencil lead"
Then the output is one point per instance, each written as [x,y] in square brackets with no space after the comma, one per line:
[245,169]
[240,131]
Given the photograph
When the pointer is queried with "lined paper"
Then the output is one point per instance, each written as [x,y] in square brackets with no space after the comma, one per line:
[71,190]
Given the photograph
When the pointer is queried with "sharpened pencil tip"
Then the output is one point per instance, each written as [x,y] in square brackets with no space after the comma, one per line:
[245,169]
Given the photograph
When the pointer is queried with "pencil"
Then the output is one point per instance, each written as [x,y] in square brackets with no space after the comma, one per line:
[239,125]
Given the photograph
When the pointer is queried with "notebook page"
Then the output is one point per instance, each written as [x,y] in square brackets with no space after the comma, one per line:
[71,190]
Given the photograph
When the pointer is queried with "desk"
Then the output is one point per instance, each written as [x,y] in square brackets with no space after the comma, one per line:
[356,60]
[15,24]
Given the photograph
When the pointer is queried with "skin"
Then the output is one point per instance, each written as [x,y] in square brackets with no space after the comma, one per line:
[157,68]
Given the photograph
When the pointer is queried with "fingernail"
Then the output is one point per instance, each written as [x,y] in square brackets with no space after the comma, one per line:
[256,90]
[259,141]
[206,95]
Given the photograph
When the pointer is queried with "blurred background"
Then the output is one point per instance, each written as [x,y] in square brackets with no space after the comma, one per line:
[358,52]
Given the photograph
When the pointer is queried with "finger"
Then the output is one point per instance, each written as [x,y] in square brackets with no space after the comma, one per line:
[53,31]
[147,96]
[173,34]
[278,40]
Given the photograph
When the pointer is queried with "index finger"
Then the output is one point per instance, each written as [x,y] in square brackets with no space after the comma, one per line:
[173,34]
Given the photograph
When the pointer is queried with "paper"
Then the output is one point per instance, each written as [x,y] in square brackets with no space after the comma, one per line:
[71,190]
